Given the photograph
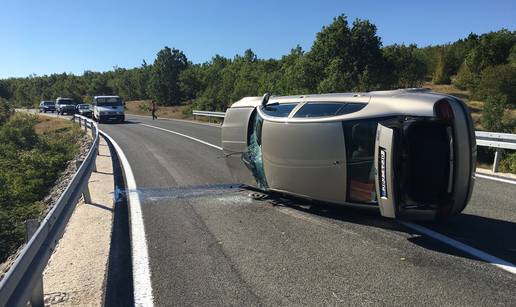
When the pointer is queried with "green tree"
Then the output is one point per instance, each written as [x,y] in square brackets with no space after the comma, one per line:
[164,82]
[348,58]
[491,49]
[4,89]
[497,81]
[444,68]
[496,115]
[404,66]
[5,111]
[191,81]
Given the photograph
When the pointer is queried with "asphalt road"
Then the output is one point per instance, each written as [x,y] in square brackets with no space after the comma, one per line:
[210,243]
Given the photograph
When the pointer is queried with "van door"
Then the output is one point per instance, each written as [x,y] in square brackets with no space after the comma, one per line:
[384,170]
[306,159]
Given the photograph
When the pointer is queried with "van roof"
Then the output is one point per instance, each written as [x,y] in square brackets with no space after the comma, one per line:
[413,93]
[411,101]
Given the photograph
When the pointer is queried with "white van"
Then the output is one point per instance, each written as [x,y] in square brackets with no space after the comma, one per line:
[108,108]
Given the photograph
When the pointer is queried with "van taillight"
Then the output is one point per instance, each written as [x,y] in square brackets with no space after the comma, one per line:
[443,110]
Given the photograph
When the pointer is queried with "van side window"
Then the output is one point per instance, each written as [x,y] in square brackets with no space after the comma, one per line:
[279,110]
[350,108]
[317,109]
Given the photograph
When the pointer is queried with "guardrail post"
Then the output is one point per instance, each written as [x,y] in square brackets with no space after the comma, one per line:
[37,298]
[86,193]
[497,158]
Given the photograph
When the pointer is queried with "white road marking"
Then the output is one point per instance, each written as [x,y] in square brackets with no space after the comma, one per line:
[502,264]
[184,135]
[140,259]
[495,178]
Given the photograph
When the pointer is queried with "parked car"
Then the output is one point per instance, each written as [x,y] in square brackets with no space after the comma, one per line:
[65,105]
[409,153]
[47,106]
[83,109]
[108,108]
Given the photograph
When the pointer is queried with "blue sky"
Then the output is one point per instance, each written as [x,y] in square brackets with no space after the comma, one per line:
[43,37]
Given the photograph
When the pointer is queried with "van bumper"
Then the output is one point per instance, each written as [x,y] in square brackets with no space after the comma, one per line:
[112,117]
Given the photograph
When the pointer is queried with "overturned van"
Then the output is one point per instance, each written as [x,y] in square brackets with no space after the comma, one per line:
[410,153]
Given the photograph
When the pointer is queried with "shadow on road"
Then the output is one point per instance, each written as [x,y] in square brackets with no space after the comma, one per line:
[492,236]
[496,237]
[119,279]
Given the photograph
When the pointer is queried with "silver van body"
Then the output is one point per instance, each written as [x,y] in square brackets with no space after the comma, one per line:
[108,108]
[410,153]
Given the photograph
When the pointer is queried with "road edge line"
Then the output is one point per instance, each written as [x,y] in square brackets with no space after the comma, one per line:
[493,260]
[183,135]
[142,286]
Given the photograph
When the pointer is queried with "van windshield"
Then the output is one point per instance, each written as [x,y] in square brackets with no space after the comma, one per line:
[66,102]
[109,102]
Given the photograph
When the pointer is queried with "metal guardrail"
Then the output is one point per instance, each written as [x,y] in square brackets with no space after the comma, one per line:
[208,114]
[23,282]
[500,141]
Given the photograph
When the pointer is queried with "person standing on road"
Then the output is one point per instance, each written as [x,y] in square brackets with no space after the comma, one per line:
[153,109]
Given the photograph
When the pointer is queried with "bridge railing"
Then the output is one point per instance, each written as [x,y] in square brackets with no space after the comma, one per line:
[23,282]
[500,141]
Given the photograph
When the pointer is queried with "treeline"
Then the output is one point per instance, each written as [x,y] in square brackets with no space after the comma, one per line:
[344,57]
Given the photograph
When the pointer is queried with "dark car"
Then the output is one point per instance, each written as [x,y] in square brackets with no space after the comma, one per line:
[84,109]
[47,106]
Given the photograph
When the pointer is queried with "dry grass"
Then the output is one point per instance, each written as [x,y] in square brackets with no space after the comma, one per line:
[475,106]
[140,107]
[48,125]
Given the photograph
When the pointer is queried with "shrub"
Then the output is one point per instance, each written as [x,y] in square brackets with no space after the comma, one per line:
[5,111]
[508,163]
[465,78]
[143,107]
[497,81]
[29,165]
[496,115]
